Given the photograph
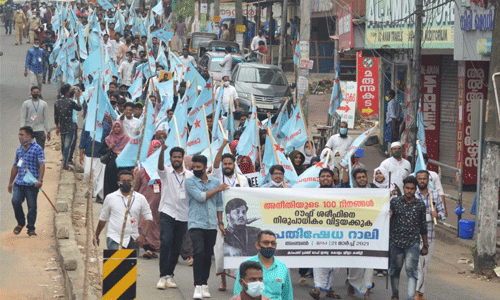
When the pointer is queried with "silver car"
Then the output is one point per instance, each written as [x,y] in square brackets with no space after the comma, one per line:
[267,83]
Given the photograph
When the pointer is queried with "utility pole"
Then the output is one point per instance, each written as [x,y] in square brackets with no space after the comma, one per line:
[240,37]
[216,8]
[303,73]
[490,171]
[416,81]
[284,12]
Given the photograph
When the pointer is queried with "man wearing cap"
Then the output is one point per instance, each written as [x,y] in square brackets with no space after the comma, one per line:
[396,165]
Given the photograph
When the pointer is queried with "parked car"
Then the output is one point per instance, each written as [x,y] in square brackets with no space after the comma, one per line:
[267,83]
[209,64]
[220,46]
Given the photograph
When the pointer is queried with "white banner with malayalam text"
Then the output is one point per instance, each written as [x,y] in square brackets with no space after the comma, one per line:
[341,228]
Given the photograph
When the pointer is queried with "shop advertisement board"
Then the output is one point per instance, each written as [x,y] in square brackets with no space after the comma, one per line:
[347,109]
[344,28]
[368,85]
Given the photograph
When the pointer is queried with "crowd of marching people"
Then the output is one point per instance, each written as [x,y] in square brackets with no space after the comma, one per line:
[162,144]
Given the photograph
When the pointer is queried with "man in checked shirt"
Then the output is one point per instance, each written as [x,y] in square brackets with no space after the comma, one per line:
[427,195]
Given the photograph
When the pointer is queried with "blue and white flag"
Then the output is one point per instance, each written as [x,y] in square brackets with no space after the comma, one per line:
[295,131]
[198,139]
[337,96]
[357,143]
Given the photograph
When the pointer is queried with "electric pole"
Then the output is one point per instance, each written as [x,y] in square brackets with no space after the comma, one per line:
[416,81]
[490,170]
[240,37]
[303,73]
[283,32]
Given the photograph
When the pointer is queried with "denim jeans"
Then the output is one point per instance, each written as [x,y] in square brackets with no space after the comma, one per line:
[171,236]
[66,141]
[112,245]
[19,194]
[73,144]
[408,256]
[47,67]
[203,249]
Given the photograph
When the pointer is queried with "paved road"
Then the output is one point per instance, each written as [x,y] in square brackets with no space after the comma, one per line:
[14,89]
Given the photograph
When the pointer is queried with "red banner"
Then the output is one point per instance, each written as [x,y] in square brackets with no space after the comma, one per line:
[431,82]
[472,86]
[344,28]
[368,85]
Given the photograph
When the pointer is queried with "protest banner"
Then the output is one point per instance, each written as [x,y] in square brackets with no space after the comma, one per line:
[340,228]
[253,179]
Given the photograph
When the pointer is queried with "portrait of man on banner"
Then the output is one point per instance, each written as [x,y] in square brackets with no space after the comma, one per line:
[240,238]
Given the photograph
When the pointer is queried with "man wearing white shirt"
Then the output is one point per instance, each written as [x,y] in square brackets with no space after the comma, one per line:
[185,58]
[125,69]
[229,94]
[113,211]
[34,113]
[107,43]
[435,182]
[227,63]
[340,141]
[257,39]
[130,124]
[173,208]
[228,175]
[115,46]
[399,167]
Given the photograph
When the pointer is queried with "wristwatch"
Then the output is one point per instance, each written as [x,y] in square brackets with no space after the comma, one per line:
[144,234]
[426,246]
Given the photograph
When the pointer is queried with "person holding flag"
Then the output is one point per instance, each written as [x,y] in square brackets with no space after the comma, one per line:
[29,158]
[229,94]
[340,140]
[433,212]
[229,175]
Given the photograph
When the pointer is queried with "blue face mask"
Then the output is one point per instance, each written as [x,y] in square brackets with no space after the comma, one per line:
[343,131]
[128,58]
[255,289]
[267,252]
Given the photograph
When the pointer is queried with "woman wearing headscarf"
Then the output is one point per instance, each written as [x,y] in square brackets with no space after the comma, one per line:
[308,152]
[245,164]
[115,141]
[153,195]
[381,178]
[297,159]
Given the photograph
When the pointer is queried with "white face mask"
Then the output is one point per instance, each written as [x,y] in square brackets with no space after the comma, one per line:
[226,83]
[255,289]
[308,152]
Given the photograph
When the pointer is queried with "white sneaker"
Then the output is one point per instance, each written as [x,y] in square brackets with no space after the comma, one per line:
[162,283]
[205,292]
[197,292]
[170,282]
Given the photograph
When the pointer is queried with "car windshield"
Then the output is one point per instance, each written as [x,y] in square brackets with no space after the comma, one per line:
[265,76]
[200,39]
[215,64]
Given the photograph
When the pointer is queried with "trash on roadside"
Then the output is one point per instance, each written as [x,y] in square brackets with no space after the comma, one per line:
[463,260]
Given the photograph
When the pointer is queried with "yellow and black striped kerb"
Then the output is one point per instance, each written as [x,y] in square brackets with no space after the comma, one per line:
[119,274]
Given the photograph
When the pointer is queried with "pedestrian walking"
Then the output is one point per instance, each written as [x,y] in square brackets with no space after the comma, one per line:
[29,158]
[174,207]
[63,117]
[35,114]
[227,63]
[113,211]
[33,23]
[205,215]
[8,16]
[408,225]
[115,142]
[48,46]
[397,166]
[34,64]
[228,94]
[340,141]
[19,24]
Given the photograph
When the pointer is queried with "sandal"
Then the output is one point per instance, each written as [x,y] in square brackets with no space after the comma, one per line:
[17,229]
[350,290]
[222,287]
[331,294]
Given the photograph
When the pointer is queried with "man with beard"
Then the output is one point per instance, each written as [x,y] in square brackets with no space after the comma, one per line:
[204,217]
[397,166]
[427,195]
[340,141]
[324,277]
[173,209]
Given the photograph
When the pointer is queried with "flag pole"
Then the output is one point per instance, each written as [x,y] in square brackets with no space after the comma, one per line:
[208,135]
[275,153]
[229,149]
[257,126]
[143,125]
[305,125]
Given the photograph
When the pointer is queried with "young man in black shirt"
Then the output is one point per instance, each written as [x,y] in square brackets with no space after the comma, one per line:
[408,223]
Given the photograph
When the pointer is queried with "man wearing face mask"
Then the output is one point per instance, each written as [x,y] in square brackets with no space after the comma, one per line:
[29,157]
[63,117]
[34,113]
[125,70]
[252,281]
[34,64]
[229,94]
[340,141]
[113,211]
[277,282]
[277,177]
[398,167]
[204,217]
[123,49]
